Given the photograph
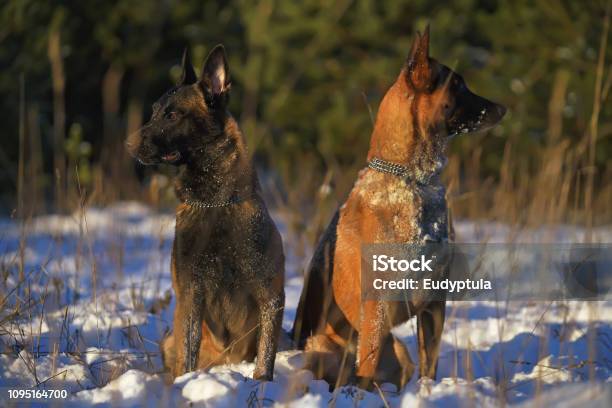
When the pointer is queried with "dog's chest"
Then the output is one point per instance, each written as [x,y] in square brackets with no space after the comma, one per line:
[208,246]
[412,212]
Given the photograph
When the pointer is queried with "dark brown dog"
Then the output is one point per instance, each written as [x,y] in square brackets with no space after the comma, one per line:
[227,259]
[397,199]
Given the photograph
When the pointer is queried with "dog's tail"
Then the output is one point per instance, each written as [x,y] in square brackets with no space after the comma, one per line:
[317,294]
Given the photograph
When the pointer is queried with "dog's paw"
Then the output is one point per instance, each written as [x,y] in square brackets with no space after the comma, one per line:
[259,376]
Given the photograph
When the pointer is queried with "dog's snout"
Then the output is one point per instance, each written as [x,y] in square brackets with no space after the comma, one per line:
[132,143]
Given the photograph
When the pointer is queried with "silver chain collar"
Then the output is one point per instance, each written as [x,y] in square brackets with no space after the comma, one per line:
[202,204]
[396,169]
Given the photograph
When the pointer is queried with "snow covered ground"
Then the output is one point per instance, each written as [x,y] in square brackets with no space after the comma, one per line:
[97,299]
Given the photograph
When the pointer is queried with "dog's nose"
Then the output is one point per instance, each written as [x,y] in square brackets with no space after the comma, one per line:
[131,146]
[132,142]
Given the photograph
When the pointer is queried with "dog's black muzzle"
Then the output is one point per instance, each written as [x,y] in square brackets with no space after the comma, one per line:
[474,113]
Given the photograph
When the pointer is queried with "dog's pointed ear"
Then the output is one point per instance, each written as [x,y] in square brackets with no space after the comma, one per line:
[215,79]
[188,76]
[418,69]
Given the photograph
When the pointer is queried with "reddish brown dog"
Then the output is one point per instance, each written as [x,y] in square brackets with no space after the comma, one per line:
[397,199]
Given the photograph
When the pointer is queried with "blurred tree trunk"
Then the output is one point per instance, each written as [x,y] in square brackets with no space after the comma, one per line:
[21,161]
[549,198]
[134,123]
[34,167]
[113,143]
[556,104]
[59,116]
[256,25]
[591,135]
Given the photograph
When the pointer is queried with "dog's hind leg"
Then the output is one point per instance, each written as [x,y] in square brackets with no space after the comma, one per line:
[430,323]
[394,365]
[168,352]
[328,360]
[405,362]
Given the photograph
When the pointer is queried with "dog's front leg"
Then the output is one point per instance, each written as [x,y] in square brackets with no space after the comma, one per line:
[371,335]
[192,325]
[430,323]
[270,321]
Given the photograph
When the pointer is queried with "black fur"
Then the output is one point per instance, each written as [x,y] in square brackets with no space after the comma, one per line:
[228,260]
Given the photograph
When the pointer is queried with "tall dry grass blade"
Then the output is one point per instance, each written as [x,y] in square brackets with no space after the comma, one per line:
[83,227]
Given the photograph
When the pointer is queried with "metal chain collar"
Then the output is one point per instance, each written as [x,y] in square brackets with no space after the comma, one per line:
[396,169]
[202,204]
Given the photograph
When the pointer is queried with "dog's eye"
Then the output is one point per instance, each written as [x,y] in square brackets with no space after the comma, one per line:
[172,115]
